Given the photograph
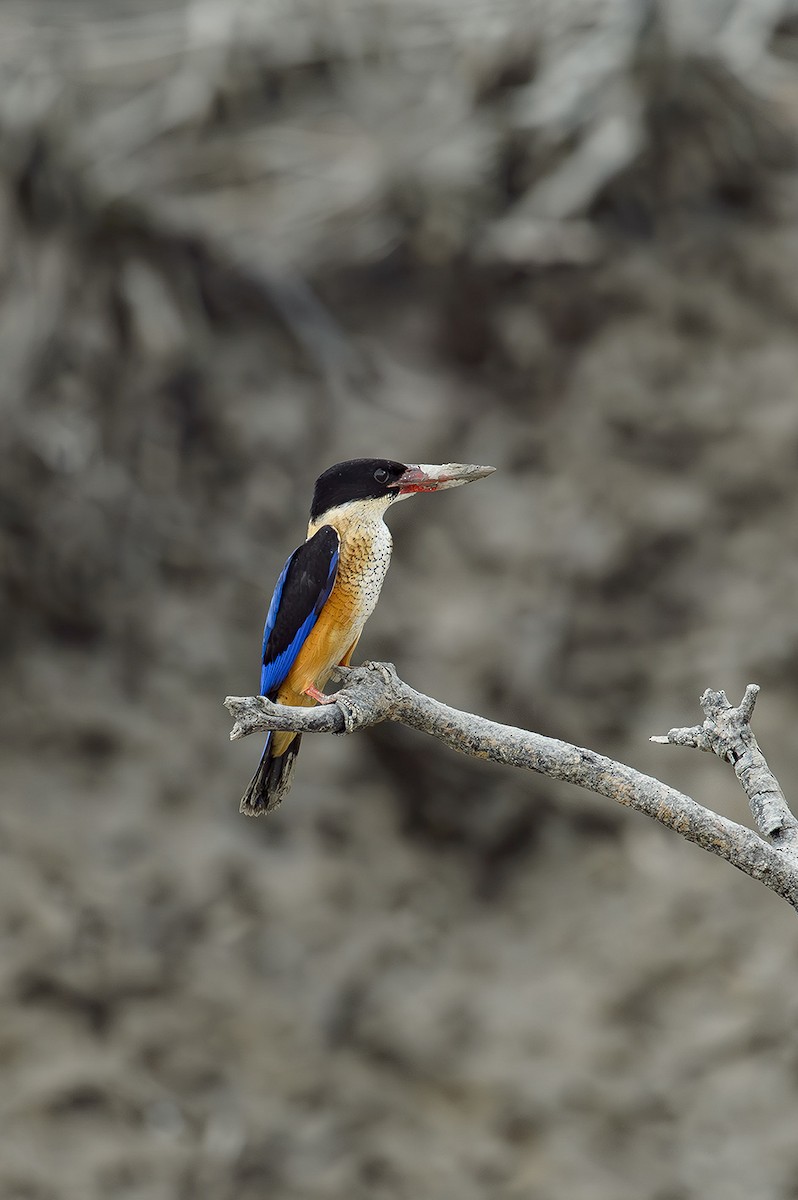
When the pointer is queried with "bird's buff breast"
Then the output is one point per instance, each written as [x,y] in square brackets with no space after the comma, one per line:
[364,560]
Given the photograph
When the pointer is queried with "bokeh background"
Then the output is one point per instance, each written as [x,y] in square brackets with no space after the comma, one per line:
[241,240]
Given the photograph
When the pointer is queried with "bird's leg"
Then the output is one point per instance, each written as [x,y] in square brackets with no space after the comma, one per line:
[318,696]
[350,709]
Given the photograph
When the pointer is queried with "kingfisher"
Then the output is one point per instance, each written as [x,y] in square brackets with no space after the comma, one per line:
[326,592]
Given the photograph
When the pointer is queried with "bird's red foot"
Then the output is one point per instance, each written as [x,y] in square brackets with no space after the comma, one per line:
[318,696]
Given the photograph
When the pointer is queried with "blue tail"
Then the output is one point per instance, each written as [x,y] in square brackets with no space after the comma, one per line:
[271,781]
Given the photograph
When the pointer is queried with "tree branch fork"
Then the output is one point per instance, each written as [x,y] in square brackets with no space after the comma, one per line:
[374,692]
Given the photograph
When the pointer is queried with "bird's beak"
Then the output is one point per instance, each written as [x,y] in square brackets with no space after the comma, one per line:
[426,478]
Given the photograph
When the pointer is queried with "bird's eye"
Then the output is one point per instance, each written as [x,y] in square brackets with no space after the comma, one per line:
[381,475]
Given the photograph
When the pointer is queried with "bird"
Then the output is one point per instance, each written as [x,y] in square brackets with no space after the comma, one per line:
[326,592]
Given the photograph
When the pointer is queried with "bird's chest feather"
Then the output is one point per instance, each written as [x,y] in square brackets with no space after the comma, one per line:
[365,556]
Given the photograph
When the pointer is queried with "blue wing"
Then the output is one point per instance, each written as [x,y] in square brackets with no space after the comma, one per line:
[302,590]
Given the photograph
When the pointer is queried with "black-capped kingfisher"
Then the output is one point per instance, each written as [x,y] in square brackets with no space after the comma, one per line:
[327,591]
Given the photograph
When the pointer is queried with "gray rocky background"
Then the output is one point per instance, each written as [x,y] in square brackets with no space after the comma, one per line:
[241,241]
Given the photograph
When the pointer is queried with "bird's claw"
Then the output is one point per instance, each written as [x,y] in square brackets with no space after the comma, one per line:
[352,712]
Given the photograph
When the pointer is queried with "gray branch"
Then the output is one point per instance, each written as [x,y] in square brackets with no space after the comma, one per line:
[374,693]
[727,732]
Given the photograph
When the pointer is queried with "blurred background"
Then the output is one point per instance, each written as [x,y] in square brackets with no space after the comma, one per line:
[242,240]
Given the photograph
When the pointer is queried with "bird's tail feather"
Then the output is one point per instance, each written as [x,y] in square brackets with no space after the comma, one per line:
[271,781]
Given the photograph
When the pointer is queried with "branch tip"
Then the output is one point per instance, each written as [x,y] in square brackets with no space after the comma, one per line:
[748,702]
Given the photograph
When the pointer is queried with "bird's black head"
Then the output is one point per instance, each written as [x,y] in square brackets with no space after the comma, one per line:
[358,479]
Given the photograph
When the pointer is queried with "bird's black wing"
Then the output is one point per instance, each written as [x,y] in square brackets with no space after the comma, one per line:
[303,588]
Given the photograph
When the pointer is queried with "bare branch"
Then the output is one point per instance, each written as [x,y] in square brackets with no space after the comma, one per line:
[254,713]
[727,732]
[374,693]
